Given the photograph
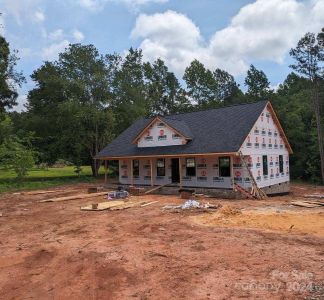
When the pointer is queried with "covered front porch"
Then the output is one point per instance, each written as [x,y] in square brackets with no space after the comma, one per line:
[214,171]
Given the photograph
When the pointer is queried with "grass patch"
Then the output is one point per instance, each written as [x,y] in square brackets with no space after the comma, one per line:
[40,178]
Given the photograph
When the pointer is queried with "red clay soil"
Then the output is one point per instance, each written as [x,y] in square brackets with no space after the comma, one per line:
[55,251]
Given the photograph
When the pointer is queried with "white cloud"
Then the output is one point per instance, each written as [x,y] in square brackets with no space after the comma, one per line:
[263,30]
[78,35]
[25,53]
[96,5]
[21,101]
[57,34]
[51,52]
[26,10]
[39,16]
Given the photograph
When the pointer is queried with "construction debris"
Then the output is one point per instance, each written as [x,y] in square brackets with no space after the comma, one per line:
[96,189]
[192,204]
[305,204]
[74,197]
[256,192]
[41,192]
[136,191]
[102,205]
[319,196]
[146,204]
[117,195]
[112,205]
[155,189]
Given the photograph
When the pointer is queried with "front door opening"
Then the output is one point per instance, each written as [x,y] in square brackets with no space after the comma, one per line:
[175,175]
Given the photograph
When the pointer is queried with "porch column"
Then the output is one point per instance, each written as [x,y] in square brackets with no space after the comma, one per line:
[106,168]
[131,172]
[151,163]
[180,173]
[232,170]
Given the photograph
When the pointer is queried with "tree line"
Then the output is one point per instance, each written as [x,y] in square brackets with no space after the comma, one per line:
[84,99]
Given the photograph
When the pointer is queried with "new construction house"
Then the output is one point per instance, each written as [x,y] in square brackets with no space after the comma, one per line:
[215,151]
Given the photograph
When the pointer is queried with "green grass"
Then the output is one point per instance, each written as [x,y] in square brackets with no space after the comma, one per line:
[40,179]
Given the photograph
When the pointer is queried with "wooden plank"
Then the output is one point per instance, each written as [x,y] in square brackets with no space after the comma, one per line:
[304,204]
[106,169]
[127,205]
[319,196]
[156,188]
[102,205]
[151,163]
[79,196]
[256,191]
[45,192]
[149,203]
[314,202]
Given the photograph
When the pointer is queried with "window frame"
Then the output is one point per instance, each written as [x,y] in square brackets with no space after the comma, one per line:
[136,168]
[281,164]
[191,170]
[265,168]
[221,168]
[160,171]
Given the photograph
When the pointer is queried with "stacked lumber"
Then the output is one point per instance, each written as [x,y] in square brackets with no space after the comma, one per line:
[243,191]
[113,205]
[74,197]
[255,191]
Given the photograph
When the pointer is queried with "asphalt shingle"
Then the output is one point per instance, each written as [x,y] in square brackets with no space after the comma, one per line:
[211,131]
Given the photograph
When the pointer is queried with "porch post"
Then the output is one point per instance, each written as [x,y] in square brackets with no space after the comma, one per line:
[131,172]
[151,163]
[106,167]
[180,173]
[232,171]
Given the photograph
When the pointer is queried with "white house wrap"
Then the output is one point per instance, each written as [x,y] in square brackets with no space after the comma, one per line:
[201,149]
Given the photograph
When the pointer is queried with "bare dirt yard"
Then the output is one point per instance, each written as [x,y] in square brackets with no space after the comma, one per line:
[249,249]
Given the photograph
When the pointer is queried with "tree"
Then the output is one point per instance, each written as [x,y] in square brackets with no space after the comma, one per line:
[258,85]
[70,105]
[309,59]
[228,91]
[127,88]
[201,85]
[9,78]
[15,153]
[164,93]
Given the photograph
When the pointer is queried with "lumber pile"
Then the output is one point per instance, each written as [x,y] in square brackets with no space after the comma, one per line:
[74,197]
[308,204]
[113,205]
[155,189]
[317,196]
[243,191]
[255,190]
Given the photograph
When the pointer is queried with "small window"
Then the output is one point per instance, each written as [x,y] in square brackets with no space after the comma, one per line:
[160,167]
[281,168]
[225,166]
[191,167]
[135,167]
[265,164]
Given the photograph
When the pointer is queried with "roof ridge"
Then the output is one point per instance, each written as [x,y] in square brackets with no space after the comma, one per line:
[208,109]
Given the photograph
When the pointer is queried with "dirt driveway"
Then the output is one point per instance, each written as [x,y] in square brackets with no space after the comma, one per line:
[55,251]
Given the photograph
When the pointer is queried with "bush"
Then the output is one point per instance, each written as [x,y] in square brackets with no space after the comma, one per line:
[61,163]
[17,157]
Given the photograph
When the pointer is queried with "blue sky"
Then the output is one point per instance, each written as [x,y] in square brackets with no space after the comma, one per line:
[230,34]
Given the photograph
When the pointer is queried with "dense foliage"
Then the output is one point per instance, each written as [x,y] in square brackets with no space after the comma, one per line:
[84,99]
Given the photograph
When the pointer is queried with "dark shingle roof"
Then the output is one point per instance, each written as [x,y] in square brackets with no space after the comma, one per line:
[212,131]
[178,125]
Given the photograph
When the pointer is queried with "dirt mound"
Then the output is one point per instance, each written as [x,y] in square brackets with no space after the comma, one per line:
[228,211]
[287,222]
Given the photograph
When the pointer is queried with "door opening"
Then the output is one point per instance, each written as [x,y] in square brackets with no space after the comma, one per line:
[175,174]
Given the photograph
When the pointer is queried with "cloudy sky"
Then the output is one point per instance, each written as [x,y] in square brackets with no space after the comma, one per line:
[230,34]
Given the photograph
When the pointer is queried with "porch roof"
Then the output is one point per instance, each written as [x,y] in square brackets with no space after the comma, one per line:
[221,130]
